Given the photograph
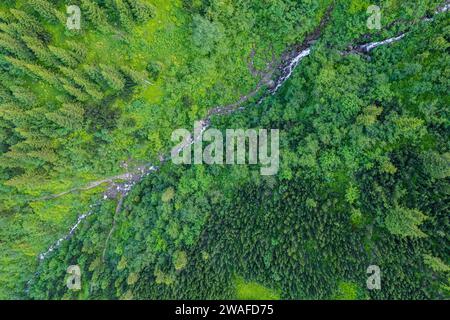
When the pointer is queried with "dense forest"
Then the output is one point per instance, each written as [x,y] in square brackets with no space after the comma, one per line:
[364,150]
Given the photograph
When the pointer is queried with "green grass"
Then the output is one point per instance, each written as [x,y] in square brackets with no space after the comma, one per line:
[347,291]
[254,291]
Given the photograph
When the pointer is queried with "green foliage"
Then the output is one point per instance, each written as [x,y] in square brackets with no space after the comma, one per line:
[364,151]
[346,291]
[356,218]
[168,194]
[179,260]
[254,291]
[205,34]
[435,264]
[405,222]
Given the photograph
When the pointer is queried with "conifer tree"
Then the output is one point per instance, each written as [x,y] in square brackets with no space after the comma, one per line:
[14,47]
[27,22]
[138,77]
[47,11]
[142,11]
[95,14]
[78,50]
[70,116]
[26,98]
[78,79]
[112,77]
[40,51]
[76,93]
[125,15]
[64,56]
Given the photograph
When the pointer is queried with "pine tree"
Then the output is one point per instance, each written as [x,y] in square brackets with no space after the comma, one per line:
[142,11]
[405,222]
[9,28]
[125,15]
[16,157]
[113,78]
[95,14]
[40,51]
[24,96]
[27,23]
[27,180]
[70,116]
[78,79]
[5,16]
[14,47]
[47,11]
[78,50]
[436,264]
[64,56]
[38,141]
[93,73]
[5,95]
[135,76]
[34,71]
[44,74]
[11,111]
[47,155]
[19,65]
[75,92]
